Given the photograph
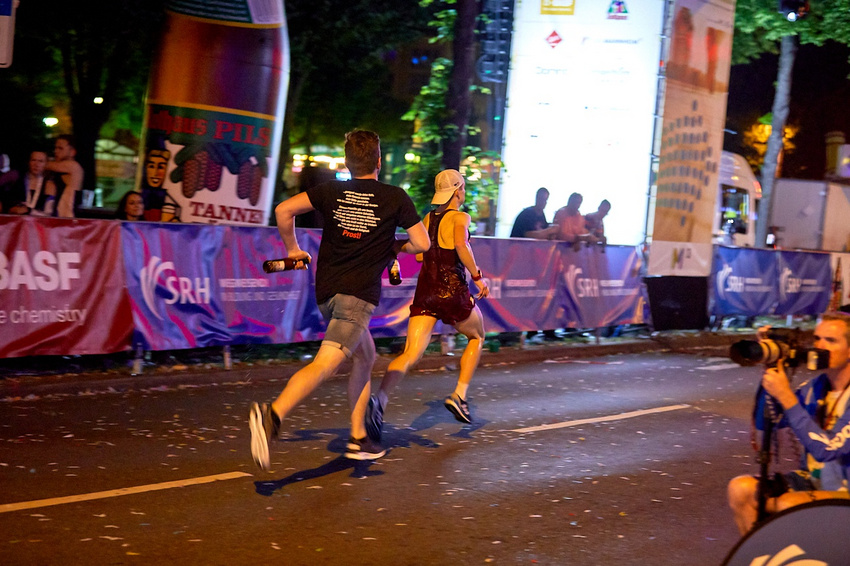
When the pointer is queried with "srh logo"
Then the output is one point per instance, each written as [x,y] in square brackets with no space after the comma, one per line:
[581,286]
[788,283]
[45,271]
[180,289]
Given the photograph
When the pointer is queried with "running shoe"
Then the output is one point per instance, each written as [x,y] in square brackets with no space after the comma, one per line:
[374,419]
[265,427]
[458,407]
[363,449]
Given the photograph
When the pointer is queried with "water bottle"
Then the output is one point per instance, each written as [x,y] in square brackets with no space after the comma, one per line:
[395,273]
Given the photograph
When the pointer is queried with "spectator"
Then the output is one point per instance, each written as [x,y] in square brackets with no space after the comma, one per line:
[34,192]
[571,227]
[69,178]
[131,206]
[532,219]
[594,223]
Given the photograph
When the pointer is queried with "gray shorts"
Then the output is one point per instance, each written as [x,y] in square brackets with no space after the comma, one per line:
[348,318]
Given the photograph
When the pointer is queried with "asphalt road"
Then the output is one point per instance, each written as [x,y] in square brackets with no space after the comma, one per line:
[619,459]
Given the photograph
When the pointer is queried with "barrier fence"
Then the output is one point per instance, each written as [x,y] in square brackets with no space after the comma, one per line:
[77,286]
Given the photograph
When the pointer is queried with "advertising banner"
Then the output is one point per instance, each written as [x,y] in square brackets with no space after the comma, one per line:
[804,282]
[214,117]
[197,286]
[744,281]
[697,74]
[523,278]
[582,86]
[60,291]
[600,288]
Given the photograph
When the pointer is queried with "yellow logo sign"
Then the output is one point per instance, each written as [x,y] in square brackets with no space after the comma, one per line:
[558,7]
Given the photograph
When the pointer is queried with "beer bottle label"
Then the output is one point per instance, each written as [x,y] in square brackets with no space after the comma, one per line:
[217,161]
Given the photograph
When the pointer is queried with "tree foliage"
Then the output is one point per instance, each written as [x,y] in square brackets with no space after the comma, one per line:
[339,75]
[759,29]
[441,116]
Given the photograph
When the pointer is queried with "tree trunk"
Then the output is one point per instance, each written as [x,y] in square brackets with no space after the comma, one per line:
[459,97]
[769,170]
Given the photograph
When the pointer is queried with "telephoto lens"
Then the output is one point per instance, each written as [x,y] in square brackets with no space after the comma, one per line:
[753,352]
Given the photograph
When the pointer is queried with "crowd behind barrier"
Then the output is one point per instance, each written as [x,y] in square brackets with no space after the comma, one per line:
[78,286]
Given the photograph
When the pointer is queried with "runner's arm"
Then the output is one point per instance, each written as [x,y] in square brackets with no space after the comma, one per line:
[419,241]
[285,214]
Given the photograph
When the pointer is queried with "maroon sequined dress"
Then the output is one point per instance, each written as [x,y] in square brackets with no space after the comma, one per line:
[442,290]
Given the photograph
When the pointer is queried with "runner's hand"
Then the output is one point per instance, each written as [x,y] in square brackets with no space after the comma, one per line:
[483,289]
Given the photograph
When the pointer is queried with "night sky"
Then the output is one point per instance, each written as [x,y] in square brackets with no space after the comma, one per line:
[820,102]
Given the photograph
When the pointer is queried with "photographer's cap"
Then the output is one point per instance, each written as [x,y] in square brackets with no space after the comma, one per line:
[446,183]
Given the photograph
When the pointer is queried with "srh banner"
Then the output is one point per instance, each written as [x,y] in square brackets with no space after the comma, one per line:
[599,288]
[743,281]
[197,286]
[61,288]
[523,278]
[757,282]
[697,74]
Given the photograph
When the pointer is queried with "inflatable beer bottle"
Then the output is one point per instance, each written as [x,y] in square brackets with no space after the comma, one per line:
[214,112]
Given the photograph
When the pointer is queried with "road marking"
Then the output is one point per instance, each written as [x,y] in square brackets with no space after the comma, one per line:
[605,419]
[719,367]
[116,492]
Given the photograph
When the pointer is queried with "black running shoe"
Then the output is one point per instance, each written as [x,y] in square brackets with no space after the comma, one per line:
[265,427]
[374,419]
[458,407]
[364,449]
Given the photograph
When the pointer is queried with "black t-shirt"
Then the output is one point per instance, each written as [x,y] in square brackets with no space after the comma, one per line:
[360,221]
[528,220]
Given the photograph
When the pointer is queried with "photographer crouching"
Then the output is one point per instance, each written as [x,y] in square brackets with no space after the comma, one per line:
[816,413]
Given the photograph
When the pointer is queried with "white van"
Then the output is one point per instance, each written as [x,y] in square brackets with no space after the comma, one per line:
[736,209]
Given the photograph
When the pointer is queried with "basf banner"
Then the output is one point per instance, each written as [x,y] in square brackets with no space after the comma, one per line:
[581,102]
[692,137]
[61,287]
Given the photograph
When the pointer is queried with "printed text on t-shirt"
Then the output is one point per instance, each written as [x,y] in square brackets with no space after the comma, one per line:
[354,215]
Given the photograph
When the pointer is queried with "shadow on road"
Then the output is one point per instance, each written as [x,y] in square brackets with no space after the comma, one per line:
[437,413]
[359,469]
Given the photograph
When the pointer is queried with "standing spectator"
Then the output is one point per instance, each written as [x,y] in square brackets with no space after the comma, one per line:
[69,178]
[532,219]
[34,192]
[358,241]
[442,293]
[131,206]
[594,223]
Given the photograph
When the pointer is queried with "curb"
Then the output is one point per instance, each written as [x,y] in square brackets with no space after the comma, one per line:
[31,387]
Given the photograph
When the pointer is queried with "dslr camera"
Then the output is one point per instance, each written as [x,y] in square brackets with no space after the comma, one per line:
[780,345]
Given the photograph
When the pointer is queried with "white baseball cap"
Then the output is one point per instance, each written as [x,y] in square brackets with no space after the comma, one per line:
[446,183]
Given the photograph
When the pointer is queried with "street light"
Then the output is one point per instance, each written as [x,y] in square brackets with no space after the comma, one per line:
[794,10]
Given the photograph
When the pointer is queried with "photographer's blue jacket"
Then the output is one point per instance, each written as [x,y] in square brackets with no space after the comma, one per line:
[831,447]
